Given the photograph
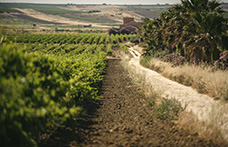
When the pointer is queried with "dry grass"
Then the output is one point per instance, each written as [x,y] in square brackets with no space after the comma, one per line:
[56,18]
[138,77]
[215,125]
[211,130]
[215,84]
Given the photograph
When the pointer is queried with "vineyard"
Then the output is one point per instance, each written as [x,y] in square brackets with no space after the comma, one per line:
[46,78]
[65,81]
[80,38]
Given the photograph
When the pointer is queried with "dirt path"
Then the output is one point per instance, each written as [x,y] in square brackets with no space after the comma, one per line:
[123,118]
[204,109]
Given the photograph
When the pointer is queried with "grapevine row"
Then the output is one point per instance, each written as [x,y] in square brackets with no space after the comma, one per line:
[86,38]
[44,85]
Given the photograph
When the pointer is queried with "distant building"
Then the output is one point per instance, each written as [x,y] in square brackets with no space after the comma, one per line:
[129,27]
[127,20]
[130,24]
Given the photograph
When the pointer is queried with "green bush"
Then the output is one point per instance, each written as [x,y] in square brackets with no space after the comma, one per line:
[124,48]
[168,109]
[109,49]
[134,39]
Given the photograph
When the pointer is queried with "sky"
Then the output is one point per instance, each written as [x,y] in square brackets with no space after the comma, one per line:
[100,1]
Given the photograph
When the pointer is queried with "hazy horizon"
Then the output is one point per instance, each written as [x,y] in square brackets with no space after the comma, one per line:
[148,2]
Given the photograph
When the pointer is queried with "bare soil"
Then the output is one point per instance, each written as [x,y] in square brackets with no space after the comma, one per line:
[121,118]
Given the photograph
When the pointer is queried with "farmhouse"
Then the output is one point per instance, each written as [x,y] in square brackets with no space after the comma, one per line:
[129,27]
[130,24]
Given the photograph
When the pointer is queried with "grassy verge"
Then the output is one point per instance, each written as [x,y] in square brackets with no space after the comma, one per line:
[214,126]
[215,84]
[163,108]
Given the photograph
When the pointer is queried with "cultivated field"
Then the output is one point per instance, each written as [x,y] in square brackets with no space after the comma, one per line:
[64,81]
[52,76]
[66,88]
[24,16]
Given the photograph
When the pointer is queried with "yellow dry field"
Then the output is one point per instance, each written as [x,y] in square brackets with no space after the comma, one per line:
[115,15]
[56,18]
[94,7]
[112,11]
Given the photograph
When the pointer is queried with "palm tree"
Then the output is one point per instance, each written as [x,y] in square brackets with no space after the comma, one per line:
[206,30]
[209,29]
[196,28]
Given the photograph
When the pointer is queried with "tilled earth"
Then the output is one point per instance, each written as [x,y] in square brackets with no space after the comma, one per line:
[123,118]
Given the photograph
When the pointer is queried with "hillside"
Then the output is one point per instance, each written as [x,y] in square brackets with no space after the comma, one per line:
[26,15]
[72,16]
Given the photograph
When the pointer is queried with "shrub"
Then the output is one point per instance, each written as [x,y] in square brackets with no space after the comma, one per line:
[151,101]
[222,62]
[109,49]
[160,53]
[134,39]
[174,58]
[124,48]
[168,109]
